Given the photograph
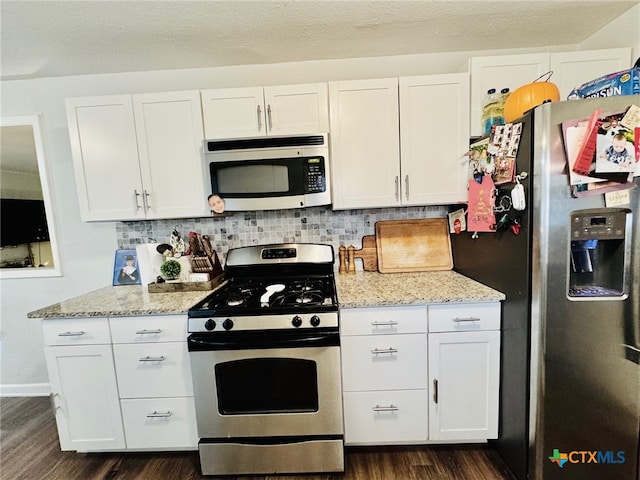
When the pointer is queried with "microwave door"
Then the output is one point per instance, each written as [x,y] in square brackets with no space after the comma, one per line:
[258,184]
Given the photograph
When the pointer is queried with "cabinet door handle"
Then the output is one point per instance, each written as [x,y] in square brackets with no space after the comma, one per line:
[269,120]
[54,407]
[71,334]
[157,414]
[390,408]
[137,198]
[435,390]
[467,319]
[259,112]
[389,323]
[152,359]
[378,351]
[148,332]
[406,186]
[147,203]
[397,188]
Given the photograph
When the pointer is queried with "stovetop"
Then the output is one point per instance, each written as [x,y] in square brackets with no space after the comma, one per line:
[272,287]
[269,296]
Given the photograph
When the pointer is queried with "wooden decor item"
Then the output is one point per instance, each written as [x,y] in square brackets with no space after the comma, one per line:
[413,245]
[368,253]
[168,287]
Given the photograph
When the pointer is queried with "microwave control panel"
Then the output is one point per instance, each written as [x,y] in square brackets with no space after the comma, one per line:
[315,176]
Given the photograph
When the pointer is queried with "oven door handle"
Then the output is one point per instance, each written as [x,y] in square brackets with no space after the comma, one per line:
[198,342]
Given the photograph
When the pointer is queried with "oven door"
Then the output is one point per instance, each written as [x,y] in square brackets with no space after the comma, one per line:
[291,388]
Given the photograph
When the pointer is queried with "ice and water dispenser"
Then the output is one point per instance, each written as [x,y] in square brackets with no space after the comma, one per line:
[599,254]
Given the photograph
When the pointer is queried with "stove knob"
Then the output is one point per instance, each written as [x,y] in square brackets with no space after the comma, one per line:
[296,322]
[315,320]
[227,324]
[210,324]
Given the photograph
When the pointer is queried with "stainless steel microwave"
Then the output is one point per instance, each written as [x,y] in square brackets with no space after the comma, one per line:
[269,173]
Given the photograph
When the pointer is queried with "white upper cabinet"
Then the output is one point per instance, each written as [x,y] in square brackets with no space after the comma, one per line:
[365,143]
[258,111]
[399,141]
[434,138]
[297,109]
[138,156]
[570,70]
[170,142]
[105,157]
[503,71]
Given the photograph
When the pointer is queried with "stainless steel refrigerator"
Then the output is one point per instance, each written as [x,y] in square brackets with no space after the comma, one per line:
[570,365]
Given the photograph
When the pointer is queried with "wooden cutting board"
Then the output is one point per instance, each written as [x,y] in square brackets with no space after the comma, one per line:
[413,245]
[368,253]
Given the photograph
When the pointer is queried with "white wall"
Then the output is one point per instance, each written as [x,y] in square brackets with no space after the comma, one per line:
[625,28]
[87,249]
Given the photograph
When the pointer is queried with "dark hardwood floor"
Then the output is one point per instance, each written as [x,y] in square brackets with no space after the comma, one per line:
[30,449]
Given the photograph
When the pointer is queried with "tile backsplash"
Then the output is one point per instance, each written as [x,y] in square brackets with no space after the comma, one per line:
[239,229]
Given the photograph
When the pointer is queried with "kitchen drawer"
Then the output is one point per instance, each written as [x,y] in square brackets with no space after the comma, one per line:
[385,417]
[384,362]
[153,370]
[160,423]
[464,317]
[160,328]
[76,331]
[383,320]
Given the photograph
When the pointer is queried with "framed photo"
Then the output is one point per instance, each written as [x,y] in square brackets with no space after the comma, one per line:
[125,268]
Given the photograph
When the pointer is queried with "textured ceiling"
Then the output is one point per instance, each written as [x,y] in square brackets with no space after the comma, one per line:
[55,38]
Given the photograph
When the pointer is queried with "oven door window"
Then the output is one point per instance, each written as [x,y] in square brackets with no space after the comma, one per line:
[267,385]
[257,178]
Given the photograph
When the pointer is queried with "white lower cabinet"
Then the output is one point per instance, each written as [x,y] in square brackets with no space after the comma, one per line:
[385,417]
[464,371]
[166,423]
[154,381]
[420,374]
[384,372]
[83,384]
[153,370]
[121,383]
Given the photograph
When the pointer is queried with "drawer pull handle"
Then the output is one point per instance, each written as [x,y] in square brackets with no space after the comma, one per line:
[467,319]
[378,351]
[71,334]
[148,332]
[389,323]
[156,414]
[152,359]
[390,408]
[435,390]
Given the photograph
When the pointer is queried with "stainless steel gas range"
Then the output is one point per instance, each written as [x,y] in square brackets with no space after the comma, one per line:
[265,357]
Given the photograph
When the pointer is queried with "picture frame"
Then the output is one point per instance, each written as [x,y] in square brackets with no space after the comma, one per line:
[125,268]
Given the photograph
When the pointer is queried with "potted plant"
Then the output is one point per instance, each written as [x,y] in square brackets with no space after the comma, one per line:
[170,269]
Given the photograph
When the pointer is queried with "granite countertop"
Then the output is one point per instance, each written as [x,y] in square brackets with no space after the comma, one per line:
[125,300]
[360,290]
[366,289]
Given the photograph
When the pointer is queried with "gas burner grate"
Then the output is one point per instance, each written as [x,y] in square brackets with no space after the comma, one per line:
[299,297]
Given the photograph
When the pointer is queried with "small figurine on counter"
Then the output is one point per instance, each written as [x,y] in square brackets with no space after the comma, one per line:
[165,250]
[177,243]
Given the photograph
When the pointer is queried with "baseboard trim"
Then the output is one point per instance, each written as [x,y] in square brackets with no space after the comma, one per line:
[26,390]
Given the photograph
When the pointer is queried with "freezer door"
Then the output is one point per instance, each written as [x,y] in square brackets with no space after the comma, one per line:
[586,379]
